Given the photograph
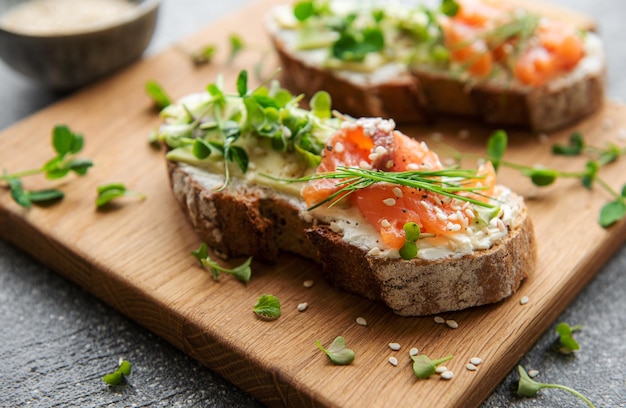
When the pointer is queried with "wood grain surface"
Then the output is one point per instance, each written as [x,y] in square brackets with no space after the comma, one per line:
[135,256]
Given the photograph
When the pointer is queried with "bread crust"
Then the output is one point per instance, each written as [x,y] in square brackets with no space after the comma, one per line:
[243,219]
[543,109]
[423,287]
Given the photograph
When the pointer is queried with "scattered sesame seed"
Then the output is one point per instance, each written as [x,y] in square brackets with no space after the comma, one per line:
[389,202]
[533,373]
[385,223]
[308,283]
[365,165]
[447,375]
[439,319]
[302,306]
[413,166]
[413,351]
[361,321]
[339,147]
[470,366]
[476,360]
[452,324]
[394,346]
[397,192]
[441,369]
[524,300]
[393,361]
[335,227]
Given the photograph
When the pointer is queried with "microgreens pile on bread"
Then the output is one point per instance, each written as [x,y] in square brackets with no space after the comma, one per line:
[475,58]
[258,175]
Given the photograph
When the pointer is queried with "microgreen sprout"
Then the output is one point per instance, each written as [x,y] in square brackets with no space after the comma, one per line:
[267,307]
[211,128]
[118,376]
[353,179]
[242,272]
[337,352]
[541,176]
[412,234]
[65,144]
[158,95]
[449,7]
[567,344]
[111,191]
[236,46]
[424,367]
[203,55]
[528,387]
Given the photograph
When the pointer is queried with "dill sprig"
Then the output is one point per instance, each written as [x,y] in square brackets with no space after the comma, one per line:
[446,182]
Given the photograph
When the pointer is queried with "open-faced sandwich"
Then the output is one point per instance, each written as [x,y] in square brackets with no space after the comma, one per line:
[257,175]
[476,58]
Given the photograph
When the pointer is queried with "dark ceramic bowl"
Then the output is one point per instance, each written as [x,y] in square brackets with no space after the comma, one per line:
[67,61]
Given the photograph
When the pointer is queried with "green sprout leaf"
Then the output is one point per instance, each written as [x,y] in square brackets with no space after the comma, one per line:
[267,307]
[63,140]
[46,196]
[242,83]
[567,344]
[203,55]
[236,46]
[496,147]
[201,149]
[574,148]
[111,191]
[158,95]
[612,212]
[118,376]
[354,46]
[321,104]
[337,352]
[412,233]
[302,10]
[449,7]
[242,273]
[541,177]
[527,387]
[17,192]
[591,172]
[424,367]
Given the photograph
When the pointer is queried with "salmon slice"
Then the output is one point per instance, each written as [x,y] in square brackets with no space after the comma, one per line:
[387,206]
[555,48]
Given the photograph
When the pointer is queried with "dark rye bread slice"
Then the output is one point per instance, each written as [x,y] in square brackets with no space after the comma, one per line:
[418,94]
[243,219]
[422,287]
[257,221]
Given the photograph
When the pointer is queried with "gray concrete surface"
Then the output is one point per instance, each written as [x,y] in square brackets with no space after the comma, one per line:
[56,340]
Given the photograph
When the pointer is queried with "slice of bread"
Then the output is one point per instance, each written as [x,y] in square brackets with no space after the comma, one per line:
[252,220]
[420,287]
[418,93]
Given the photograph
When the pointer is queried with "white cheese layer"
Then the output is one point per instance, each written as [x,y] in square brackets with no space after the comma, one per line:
[358,232]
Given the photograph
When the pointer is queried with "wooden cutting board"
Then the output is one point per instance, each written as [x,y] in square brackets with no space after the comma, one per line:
[135,256]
